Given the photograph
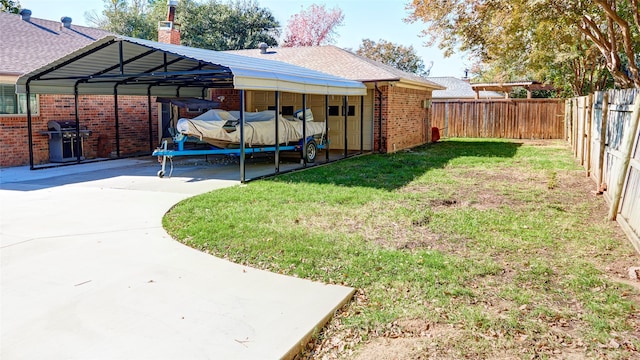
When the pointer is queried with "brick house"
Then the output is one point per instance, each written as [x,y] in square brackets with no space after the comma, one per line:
[393,115]
[396,109]
[29,43]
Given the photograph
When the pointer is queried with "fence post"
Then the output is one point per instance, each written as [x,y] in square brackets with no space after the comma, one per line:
[583,133]
[626,149]
[574,125]
[589,122]
[603,137]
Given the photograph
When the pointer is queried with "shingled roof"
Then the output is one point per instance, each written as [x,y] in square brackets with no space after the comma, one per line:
[28,45]
[339,62]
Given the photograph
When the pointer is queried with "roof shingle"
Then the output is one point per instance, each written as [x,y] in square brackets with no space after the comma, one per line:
[339,62]
[28,45]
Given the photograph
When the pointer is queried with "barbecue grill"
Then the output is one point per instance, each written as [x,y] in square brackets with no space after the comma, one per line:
[64,143]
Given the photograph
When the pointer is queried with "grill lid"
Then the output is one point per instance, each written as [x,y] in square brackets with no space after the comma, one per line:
[61,125]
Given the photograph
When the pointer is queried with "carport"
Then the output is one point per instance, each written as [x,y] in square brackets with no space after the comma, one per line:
[127,66]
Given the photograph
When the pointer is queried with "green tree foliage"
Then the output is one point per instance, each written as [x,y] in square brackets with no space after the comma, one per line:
[129,18]
[215,25]
[398,56]
[313,27]
[241,24]
[10,6]
[569,41]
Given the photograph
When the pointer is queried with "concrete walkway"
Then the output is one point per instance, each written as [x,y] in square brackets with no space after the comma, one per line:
[87,272]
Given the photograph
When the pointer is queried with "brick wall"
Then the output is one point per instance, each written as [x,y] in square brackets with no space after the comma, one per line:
[231,98]
[97,113]
[378,108]
[169,36]
[405,123]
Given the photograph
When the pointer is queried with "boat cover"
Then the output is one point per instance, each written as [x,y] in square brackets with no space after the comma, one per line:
[221,128]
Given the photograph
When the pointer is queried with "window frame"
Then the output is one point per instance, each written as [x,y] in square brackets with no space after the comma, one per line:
[19,102]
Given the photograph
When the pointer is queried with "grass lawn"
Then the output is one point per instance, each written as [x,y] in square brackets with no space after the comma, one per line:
[464,248]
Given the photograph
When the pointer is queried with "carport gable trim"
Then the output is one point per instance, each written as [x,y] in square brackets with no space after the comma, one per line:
[304,79]
[103,76]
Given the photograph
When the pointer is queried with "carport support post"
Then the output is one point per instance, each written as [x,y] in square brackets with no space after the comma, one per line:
[326,125]
[76,146]
[242,144]
[304,129]
[277,111]
[117,119]
[149,119]
[29,125]
[361,124]
[345,107]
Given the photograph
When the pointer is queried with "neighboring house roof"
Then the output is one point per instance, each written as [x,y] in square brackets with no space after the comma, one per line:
[28,45]
[459,89]
[339,62]
[141,67]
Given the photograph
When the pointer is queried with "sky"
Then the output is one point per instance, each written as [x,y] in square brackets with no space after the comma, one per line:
[363,19]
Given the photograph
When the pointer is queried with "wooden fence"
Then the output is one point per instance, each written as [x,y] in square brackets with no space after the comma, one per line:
[605,136]
[500,118]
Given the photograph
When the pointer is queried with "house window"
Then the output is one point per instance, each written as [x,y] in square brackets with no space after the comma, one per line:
[351,110]
[15,104]
[334,110]
[287,110]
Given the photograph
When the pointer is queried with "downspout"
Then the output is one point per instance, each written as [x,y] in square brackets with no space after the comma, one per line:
[375,84]
[326,126]
[345,108]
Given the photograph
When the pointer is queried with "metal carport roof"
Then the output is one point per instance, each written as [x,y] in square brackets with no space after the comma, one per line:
[141,67]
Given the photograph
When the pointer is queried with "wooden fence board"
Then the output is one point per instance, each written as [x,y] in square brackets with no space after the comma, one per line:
[599,140]
[500,118]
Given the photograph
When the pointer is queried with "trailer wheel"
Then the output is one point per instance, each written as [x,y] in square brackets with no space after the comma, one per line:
[312,151]
[160,174]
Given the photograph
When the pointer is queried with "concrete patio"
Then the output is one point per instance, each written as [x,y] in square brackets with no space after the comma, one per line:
[87,271]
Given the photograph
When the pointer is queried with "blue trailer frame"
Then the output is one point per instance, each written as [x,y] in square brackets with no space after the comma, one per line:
[163,153]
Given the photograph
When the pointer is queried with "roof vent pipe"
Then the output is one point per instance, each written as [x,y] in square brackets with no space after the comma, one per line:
[66,21]
[263,48]
[26,14]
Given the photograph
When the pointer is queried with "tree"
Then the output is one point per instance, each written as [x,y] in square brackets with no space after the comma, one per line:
[542,37]
[128,18]
[10,6]
[619,40]
[398,56]
[214,25]
[313,27]
[237,25]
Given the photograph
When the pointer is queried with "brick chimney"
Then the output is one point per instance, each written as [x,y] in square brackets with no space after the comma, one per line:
[169,31]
